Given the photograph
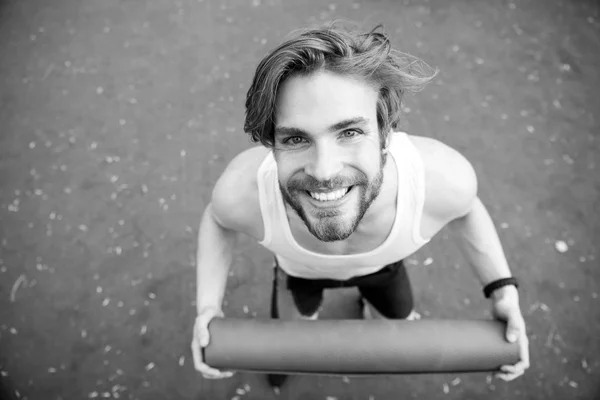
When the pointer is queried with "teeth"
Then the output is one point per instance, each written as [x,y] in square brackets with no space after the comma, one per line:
[329,196]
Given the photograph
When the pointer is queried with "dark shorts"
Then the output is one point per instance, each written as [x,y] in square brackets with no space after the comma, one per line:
[388,290]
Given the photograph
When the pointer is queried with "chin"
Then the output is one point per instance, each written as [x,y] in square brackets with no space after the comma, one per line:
[326,224]
[331,229]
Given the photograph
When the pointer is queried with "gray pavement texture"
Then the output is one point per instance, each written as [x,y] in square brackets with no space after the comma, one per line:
[116,118]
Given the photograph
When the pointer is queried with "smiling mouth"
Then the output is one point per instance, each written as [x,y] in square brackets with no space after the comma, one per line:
[330,196]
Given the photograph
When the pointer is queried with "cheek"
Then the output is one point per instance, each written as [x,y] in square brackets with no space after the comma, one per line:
[288,164]
[285,173]
[368,157]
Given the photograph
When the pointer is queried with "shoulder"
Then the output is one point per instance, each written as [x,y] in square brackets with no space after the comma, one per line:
[450,180]
[234,200]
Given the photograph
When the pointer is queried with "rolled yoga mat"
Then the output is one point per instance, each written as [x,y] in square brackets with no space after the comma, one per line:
[358,347]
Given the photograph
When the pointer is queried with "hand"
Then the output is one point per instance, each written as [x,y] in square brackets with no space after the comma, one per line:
[201,339]
[505,307]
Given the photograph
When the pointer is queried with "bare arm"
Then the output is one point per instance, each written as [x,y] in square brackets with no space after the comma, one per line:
[477,238]
[214,258]
[215,248]
[233,209]
[452,199]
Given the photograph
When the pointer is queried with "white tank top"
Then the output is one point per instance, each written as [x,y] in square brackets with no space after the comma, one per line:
[403,240]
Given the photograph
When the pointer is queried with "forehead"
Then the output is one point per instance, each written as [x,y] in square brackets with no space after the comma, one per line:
[322,99]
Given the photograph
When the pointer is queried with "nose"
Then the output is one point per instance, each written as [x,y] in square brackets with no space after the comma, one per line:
[325,162]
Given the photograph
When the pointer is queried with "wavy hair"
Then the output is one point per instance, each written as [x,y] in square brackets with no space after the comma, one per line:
[368,56]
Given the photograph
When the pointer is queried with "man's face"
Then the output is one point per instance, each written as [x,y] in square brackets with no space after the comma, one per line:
[328,151]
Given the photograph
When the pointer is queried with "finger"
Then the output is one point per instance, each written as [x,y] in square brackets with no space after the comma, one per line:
[196,354]
[211,373]
[509,369]
[505,377]
[520,367]
[510,372]
[524,351]
[509,375]
[226,375]
[206,371]
[206,376]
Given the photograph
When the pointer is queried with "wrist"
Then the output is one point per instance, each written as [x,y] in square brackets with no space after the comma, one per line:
[505,292]
[499,285]
[205,306]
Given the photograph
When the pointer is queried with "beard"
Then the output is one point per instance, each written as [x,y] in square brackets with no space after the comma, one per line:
[333,224]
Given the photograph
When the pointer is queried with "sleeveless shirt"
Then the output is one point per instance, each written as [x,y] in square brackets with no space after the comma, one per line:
[403,240]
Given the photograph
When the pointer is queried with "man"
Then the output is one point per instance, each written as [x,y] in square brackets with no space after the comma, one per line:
[338,195]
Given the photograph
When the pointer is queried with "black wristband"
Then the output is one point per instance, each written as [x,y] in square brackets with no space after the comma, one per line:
[497,284]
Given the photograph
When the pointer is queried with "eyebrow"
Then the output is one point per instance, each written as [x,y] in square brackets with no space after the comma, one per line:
[290,131]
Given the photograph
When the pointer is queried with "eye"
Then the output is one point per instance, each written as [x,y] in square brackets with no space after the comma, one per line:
[350,133]
[293,140]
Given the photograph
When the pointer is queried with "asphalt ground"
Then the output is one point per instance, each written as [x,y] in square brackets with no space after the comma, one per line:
[117,117]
